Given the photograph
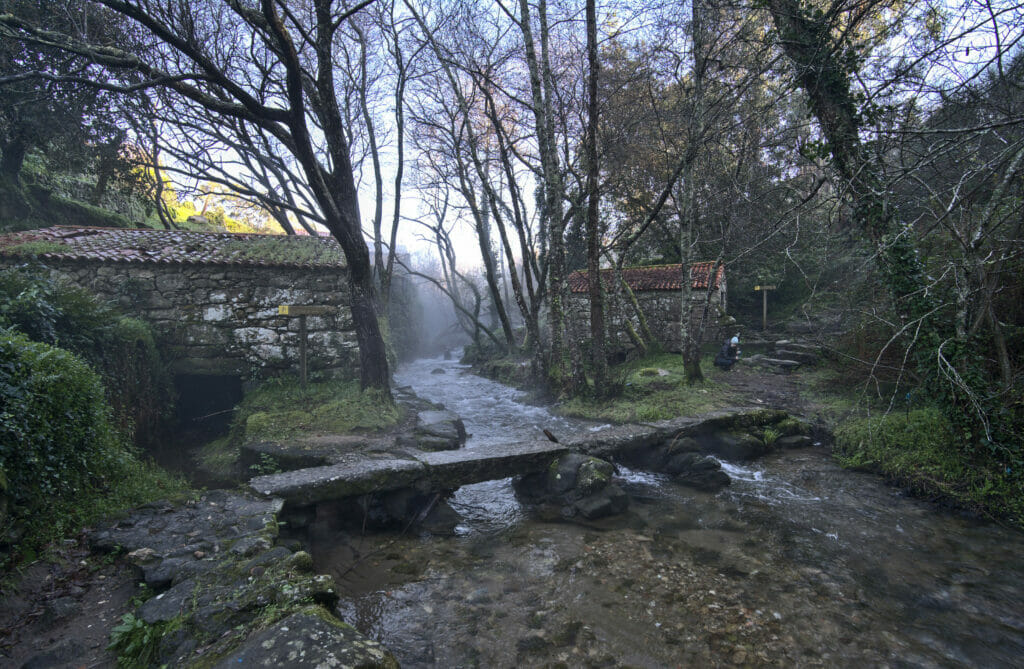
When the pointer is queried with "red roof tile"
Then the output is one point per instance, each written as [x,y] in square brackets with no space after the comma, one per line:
[657,277]
[174,246]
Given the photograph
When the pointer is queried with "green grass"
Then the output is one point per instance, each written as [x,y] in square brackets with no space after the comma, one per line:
[280,409]
[648,395]
[919,450]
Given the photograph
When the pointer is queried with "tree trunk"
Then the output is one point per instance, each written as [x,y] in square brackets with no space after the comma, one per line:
[689,343]
[598,354]
[13,158]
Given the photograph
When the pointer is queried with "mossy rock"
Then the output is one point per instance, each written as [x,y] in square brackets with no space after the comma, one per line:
[790,427]
[593,475]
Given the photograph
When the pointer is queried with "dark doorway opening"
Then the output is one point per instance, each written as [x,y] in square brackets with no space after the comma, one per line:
[206,403]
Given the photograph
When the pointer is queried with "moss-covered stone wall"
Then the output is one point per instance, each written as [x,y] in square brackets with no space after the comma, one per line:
[223,319]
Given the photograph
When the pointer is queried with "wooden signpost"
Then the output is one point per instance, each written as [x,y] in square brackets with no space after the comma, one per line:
[764,304]
[301,312]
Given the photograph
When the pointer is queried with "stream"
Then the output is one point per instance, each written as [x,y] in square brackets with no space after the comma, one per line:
[797,563]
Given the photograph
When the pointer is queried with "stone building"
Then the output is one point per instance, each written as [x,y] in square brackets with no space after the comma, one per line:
[211,298]
[658,294]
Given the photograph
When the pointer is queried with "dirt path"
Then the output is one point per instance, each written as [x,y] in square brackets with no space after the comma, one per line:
[59,612]
[775,391]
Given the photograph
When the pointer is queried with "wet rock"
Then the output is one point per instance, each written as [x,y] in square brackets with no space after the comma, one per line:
[698,471]
[244,583]
[575,484]
[478,596]
[62,607]
[438,370]
[533,643]
[609,502]
[736,446]
[61,655]
[310,639]
[794,441]
[439,430]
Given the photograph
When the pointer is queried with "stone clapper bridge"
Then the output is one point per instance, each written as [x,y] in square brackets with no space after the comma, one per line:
[575,475]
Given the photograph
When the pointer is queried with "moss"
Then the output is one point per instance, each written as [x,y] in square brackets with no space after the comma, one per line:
[919,450]
[37,248]
[282,249]
[788,427]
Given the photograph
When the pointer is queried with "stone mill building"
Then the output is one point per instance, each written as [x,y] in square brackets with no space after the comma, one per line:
[212,298]
[658,295]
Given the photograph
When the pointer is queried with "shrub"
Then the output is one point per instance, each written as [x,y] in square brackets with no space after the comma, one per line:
[64,460]
[121,349]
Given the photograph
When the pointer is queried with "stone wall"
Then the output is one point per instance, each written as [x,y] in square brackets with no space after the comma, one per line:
[223,319]
[661,310]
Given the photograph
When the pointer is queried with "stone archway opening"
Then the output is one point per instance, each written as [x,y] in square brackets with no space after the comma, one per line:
[205,403]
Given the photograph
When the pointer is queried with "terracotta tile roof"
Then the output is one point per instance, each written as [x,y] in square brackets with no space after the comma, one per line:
[145,245]
[657,277]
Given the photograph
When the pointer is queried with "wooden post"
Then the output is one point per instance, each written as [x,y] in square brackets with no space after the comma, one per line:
[302,349]
[301,312]
[764,304]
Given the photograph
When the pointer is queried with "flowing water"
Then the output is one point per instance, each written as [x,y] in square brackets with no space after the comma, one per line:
[798,563]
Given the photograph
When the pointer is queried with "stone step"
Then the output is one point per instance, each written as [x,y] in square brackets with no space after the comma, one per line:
[800,356]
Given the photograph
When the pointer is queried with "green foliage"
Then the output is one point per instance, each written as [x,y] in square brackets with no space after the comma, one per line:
[281,249]
[266,465]
[137,642]
[64,460]
[920,449]
[649,396]
[121,349]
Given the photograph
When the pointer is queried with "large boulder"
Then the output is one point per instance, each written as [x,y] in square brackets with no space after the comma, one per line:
[576,484]
[698,471]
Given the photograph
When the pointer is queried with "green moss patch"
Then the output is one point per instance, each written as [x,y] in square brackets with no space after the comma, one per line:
[280,409]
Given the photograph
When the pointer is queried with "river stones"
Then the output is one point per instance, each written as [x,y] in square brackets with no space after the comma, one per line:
[698,471]
[735,446]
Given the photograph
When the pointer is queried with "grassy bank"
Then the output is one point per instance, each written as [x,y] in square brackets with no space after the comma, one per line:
[281,409]
[919,450]
[652,388]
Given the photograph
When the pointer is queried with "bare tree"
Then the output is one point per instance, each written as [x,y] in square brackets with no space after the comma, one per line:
[282,81]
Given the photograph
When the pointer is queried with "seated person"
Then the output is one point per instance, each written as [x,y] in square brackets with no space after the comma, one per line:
[730,352]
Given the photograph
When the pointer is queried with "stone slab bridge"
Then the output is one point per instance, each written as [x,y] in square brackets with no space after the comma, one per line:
[731,434]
